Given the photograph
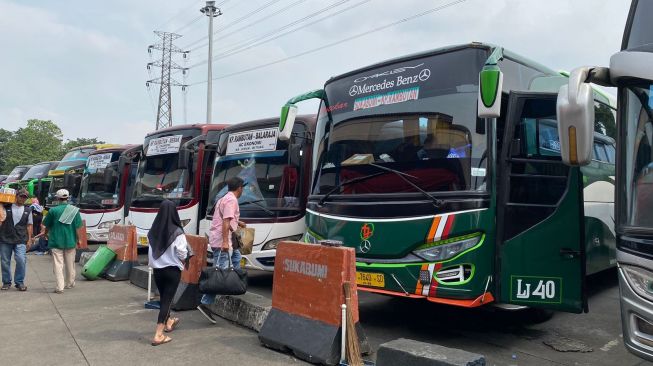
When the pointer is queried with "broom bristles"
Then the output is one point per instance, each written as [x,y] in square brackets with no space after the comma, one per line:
[353,348]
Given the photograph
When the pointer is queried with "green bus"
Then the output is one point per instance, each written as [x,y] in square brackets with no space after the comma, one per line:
[443,170]
[36,180]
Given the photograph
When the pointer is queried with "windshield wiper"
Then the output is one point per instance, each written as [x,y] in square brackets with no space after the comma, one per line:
[344,183]
[436,202]
[256,203]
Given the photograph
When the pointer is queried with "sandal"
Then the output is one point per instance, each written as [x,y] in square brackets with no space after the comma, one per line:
[165,339]
[175,322]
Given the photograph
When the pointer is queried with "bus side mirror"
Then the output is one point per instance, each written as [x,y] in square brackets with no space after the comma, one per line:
[287,121]
[575,110]
[184,157]
[490,84]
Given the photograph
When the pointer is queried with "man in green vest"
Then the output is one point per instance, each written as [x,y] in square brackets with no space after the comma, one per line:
[62,225]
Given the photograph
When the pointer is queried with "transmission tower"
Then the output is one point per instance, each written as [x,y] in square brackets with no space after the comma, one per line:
[167,48]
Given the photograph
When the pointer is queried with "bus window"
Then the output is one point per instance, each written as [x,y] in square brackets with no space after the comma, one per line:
[611,153]
[599,152]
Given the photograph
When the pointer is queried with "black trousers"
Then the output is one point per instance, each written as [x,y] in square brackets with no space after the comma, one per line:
[167,281]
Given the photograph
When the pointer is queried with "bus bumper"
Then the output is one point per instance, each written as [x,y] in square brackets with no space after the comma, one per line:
[636,319]
[261,260]
[484,299]
[97,235]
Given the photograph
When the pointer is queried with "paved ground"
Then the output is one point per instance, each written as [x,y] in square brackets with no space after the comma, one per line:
[506,338]
[104,323]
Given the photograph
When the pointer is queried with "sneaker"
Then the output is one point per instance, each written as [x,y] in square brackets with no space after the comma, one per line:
[58,291]
[21,287]
[5,286]
[70,286]
[207,313]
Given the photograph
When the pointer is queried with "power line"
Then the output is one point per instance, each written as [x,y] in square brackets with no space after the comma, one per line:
[193,5]
[341,41]
[255,42]
[253,12]
[178,30]
[256,22]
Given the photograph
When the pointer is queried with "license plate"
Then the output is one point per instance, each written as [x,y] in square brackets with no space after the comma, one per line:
[370,279]
[243,262]
[142,240]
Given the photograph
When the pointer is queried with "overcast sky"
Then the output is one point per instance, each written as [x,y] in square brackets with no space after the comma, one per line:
[82,63]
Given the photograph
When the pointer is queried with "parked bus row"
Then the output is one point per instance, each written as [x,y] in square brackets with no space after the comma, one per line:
[442,169]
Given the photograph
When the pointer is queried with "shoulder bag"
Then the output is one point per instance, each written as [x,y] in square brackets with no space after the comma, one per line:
[219,281]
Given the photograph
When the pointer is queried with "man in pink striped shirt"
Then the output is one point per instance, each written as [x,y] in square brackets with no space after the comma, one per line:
[226,219]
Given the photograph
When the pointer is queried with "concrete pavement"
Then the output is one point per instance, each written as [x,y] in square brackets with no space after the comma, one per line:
[104,323]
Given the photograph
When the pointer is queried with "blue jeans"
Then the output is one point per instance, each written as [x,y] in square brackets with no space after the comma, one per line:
[18,251]
[222,262]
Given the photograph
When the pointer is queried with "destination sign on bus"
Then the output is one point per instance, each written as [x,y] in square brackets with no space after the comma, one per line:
[264,139]
[99,161]
[164,145]
[406,81]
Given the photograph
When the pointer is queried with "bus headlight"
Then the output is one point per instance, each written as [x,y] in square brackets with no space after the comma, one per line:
[108,224]
[446,249]
[640,280]
[272,244]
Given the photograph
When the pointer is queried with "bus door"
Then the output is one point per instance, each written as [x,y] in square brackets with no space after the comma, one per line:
[540,256]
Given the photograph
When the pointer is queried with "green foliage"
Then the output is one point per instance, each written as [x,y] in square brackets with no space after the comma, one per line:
[38,141]
[605,121]
[80,141]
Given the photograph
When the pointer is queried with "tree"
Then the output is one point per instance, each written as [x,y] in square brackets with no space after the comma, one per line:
[39,141]
[5,136]
[80,141]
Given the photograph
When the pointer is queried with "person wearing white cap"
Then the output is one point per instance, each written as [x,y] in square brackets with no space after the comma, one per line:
[62,225]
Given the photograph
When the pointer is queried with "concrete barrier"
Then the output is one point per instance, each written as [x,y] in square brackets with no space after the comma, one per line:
[188,293]
[83,247]
[306,297]
[84,257]
[138,278]
[408,352]
[249,310]
[122,240]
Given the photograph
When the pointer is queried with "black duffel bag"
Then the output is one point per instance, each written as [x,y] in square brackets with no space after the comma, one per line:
[218,281]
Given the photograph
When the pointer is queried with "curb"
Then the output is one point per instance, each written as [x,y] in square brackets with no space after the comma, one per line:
[409,352]
[249,310]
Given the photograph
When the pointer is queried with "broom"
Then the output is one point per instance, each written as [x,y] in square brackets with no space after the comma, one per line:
[353,348]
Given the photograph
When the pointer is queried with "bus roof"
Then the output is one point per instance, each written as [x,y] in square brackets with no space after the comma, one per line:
[307,119]
[94,146]
[486,46]
[205,127]
[117,148]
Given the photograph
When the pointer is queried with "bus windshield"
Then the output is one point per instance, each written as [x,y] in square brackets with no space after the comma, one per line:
[100,183]
[37,171]
[159,176]
[16,174]
[272,188]
[417,118]
[77,154]
[636,196]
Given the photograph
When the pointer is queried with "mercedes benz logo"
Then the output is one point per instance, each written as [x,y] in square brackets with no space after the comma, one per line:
[353,90]
[365,246]
[424,74]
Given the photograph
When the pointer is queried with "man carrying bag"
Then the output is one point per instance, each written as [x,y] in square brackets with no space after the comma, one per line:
[226,278]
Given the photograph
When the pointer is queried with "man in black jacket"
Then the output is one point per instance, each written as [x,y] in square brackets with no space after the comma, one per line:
[15,234]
